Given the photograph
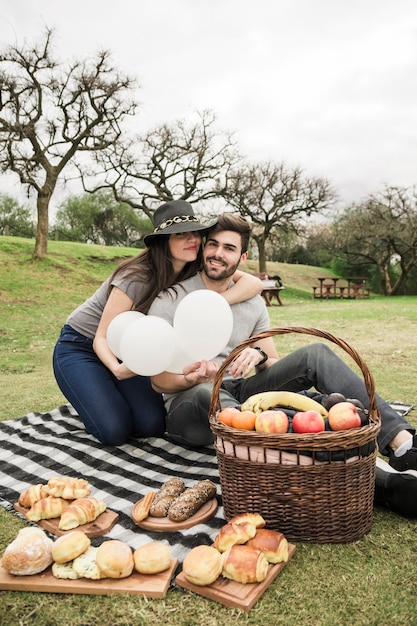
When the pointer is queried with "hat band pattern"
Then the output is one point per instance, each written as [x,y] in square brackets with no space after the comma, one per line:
[179,219]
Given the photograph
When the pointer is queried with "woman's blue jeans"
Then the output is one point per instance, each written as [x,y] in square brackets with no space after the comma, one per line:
[313,366]
[112,410]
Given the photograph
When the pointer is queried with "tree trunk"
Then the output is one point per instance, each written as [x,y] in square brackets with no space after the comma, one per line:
[42,230]
[261,252]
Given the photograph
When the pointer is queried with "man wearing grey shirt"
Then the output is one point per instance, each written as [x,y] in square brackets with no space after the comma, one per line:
[188,395]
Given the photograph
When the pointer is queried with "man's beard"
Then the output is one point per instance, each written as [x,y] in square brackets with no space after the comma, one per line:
[227,272]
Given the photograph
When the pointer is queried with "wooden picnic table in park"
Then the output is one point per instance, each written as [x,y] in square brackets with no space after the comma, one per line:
[330,287]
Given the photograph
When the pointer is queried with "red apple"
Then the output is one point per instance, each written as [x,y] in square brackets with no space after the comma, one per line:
[343,416]
[272,422]
[308,422]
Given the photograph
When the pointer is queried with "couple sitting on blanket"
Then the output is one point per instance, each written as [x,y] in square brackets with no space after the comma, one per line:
[116,404]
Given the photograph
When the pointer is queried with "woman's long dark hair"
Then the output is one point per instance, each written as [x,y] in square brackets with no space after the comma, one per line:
[153,267]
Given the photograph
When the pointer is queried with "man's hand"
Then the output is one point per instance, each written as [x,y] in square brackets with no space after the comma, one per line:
[244,363]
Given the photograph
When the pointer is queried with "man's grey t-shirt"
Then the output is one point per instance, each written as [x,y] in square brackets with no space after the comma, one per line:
[249,317]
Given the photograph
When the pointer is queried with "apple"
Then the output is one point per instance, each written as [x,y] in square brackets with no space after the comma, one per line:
[272,422]
[343,416]
[308,422]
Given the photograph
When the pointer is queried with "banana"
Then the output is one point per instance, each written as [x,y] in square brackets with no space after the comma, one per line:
[286,399]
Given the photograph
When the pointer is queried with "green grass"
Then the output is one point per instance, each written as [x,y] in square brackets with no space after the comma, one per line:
[367,582]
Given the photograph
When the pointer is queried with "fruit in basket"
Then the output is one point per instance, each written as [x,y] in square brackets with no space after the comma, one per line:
[343,416]
[285,399]
[333,398]
[363,413]
[244,420]
[272,422]
[225,415]
[308,422]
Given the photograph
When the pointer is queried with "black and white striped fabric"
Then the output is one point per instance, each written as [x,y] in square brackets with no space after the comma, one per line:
[40,446]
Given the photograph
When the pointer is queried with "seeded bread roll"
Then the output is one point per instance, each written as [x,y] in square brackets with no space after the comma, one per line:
[65,571]
[191,500]
[29,553]
[115,559]
[170,490]
[152,558]
[85,565]
[202,565]
[68,547]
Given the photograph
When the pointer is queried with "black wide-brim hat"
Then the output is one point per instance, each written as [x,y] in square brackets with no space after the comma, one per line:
[176,216]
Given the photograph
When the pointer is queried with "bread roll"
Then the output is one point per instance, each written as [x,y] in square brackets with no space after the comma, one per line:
[152,558]
[253,518]
[115,559]
[170,490]
[85,565]
[29,553]
[68,547]
[191,500]
[272,543]
[65,571]
[231,534]
[245,564]
[202,565]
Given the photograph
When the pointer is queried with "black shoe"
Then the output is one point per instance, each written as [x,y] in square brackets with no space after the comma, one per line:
[396,491]
[407,461]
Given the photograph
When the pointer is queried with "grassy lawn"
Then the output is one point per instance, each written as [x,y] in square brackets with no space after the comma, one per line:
[368,582]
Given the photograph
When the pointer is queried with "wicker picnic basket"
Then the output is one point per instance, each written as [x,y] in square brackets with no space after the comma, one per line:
[312,487]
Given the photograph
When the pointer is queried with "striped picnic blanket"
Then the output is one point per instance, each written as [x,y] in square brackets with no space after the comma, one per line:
[40,446]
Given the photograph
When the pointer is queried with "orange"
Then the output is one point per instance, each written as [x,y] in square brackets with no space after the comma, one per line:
[244,420]
[225,416]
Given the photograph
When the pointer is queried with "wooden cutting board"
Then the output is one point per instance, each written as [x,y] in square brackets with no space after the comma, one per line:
[232,594]
[152,586]
[102,525]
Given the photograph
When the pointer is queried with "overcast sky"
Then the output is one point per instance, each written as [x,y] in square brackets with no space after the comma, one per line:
[326,85]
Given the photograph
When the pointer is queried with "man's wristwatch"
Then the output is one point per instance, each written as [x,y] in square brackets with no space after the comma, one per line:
[264,355]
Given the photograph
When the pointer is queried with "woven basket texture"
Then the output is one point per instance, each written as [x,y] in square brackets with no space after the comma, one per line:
[311,487]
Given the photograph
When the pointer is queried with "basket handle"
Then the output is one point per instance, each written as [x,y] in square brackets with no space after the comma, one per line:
[368,378]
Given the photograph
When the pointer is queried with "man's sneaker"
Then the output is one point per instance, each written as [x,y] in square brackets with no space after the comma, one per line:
[407,461]
[396,491]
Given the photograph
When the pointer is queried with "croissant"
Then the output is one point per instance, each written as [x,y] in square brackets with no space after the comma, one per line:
[33,494]
[47,508]
[68,488]
[81,511]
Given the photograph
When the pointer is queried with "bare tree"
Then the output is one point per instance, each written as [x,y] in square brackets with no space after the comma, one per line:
[188,161]
[275,197]
[50,112]
[381,233]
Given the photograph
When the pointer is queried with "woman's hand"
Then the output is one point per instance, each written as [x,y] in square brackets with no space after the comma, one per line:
[200,372]
[121,372]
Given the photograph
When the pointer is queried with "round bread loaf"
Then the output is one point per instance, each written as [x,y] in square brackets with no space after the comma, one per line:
[68,547]
[202,565]
[29,553]
[152,558]
[115,559]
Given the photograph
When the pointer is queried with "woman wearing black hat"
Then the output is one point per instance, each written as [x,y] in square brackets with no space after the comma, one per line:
[113,402]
